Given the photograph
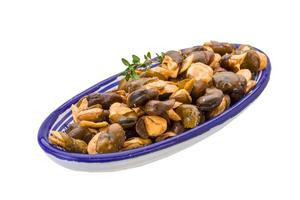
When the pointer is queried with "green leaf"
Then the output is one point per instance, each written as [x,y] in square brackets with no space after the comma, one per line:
[135,75]
[160,57]
[125,62]
[130,71]
[123,73]
[127,77]
[135,59]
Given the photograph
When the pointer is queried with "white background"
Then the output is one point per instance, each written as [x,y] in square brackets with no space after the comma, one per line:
[52,50]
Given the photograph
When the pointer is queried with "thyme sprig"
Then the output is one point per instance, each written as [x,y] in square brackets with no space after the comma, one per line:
[136,64]
[160,57]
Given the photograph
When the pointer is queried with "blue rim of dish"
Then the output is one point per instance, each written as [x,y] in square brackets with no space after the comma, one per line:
[110,157]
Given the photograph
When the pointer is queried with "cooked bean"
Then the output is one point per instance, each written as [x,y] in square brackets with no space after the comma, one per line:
[141,96]
[122,114]
[182,96]
[151,126]
[107,142]
[230,83]
[220,47]
[212,98]
[135,142]
[65,141]
[155,107]
[104,99]
[189,114]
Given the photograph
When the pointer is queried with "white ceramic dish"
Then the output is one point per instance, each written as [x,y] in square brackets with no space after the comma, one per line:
[61,117]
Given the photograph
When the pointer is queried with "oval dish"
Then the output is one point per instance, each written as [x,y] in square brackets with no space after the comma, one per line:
[61,117]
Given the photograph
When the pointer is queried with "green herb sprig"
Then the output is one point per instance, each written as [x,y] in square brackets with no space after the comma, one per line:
[136,64]
[160,57]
